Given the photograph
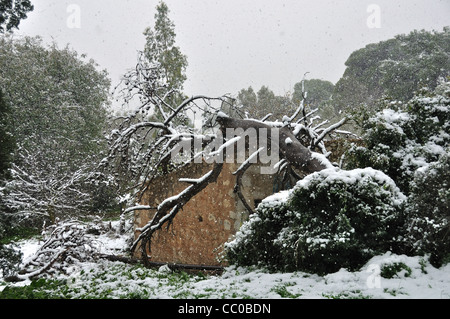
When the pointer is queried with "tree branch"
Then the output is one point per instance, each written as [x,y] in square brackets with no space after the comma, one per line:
[290,148]
[169,208]
[328,130]
[239,173]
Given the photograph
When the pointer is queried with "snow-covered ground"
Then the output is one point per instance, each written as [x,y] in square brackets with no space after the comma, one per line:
[114,280]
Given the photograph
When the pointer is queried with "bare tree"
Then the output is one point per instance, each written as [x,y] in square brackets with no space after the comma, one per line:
[148,142]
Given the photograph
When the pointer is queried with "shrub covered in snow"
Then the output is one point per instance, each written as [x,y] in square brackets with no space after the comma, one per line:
[254,243]
[429,211]
[405,137]
[332,219]
[410,142]
[9,260]
[10,257]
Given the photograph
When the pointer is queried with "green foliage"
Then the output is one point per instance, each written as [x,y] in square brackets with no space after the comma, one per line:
[318,96]
[283,291]
[58,106]
[404,137]
[6,139]
[110,281]
[56,98]
[410,143]
[395,68]
[254,243]
[332,220]
[160,49]
[390,271]
[259,104]
[38,289]
[344,219]
[429,211]
[10,233]
[319,91]
[10,258]
[12,12]
[353,294]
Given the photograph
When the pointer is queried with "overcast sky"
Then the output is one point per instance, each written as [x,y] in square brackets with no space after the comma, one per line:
[234,44]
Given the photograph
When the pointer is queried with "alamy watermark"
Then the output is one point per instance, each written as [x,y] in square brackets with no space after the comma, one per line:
[374,19]
[254,146]
[74,18]
[374,279]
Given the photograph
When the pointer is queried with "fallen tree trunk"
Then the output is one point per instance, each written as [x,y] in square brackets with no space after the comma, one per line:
[285,141]
[153,264]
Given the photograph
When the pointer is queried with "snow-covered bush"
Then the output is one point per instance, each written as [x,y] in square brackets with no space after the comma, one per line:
[429,211]
[410,143]
[332,219]
[342,219]
[404,137]
[10,258]
[254,243]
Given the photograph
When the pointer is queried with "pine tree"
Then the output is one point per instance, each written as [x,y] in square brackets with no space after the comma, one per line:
[160,49]
[395,68]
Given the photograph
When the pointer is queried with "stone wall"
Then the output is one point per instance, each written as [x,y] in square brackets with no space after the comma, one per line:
[206,222]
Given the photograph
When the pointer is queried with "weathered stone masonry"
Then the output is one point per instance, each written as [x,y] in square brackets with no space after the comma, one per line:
[206,222]
[212,217]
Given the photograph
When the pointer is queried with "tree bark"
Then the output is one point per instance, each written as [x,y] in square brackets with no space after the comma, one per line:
[299,156]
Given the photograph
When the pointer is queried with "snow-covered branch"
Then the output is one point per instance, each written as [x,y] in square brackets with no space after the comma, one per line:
[45,191]
[169,208]
[328,130]
[239,173]
[66,244]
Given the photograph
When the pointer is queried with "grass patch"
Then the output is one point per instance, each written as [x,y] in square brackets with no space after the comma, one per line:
[353,294]
[283,291]
[20,233]
[38,289]
[395,270]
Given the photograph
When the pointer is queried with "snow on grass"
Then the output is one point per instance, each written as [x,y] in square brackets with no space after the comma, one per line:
[408,277]
[116,280]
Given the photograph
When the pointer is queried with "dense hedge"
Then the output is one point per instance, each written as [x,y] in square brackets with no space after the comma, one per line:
[428,212]
[332,219]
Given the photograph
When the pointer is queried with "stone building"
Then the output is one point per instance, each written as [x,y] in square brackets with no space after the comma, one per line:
[209,219]
[213,216]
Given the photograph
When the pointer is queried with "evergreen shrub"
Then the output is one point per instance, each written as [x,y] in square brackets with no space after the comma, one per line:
[332,219]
